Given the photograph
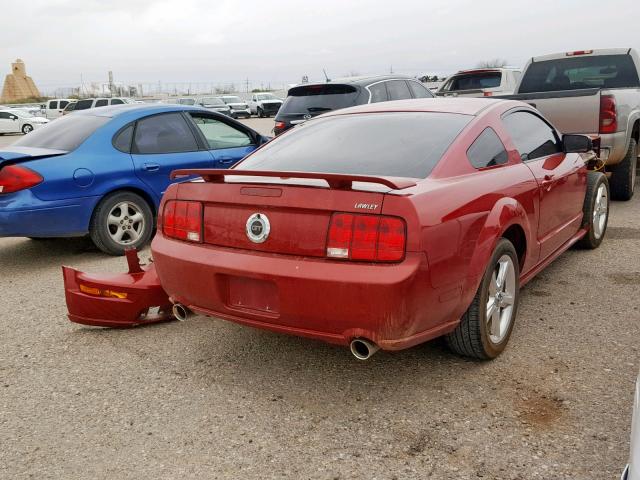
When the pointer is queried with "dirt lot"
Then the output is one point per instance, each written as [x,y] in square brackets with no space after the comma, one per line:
[211,399]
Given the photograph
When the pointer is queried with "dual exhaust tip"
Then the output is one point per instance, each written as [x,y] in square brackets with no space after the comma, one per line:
[361,348]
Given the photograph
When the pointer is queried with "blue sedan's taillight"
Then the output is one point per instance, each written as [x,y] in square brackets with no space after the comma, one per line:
[14,178]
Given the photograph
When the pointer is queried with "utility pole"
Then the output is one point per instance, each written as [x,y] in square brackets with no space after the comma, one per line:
[247,84]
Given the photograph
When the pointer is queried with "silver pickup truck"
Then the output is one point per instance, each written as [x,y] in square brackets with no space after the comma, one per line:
[596,93]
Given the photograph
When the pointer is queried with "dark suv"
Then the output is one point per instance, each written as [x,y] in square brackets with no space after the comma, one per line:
[309,100]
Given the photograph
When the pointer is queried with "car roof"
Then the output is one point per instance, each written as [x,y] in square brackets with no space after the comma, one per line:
[117,110]
[360,80]
[465,106]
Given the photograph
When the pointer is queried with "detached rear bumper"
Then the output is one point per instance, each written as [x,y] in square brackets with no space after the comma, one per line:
[119,301]
[391,305]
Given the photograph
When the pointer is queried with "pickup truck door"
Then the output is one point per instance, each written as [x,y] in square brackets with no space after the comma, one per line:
[561,178]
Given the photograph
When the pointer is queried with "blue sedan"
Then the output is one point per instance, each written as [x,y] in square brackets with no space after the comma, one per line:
[103,171]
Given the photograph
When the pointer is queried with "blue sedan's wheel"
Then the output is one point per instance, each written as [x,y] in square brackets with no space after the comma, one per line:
[122,220]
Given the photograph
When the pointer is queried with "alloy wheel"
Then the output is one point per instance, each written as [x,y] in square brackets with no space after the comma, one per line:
[125,223]
[500,304]
[600,211]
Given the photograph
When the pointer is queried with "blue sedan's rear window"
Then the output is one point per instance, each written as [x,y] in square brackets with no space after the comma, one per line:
[395,144]
[65,133]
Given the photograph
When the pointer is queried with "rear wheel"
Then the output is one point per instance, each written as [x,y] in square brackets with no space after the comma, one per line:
[121,220]
[486,326]
[27,129]
[623,177]
[596,210]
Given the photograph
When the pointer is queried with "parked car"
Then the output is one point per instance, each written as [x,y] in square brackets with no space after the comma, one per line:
[481,82]
[69,108]
[239,108]
[264,104]
[632,471]
[88,103]
[214,104]
[594,92]
[102,171]
[14,120]
[54,108]
[378,226]
[310,100]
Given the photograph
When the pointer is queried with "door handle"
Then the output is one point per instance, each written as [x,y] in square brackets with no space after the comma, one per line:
[547,182]
[226,160]
[151,167]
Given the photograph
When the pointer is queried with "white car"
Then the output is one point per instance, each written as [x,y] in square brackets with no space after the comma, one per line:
[481,82]
[18,121]
[632,472]
[264,104]
[54,107]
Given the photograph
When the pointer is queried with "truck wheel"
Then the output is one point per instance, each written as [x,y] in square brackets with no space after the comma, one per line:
[260,114]
[623,177]
[486,326]
[596,210]
[121,220]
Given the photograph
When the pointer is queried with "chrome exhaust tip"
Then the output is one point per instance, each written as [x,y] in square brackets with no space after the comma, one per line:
[181,312]
[362,349]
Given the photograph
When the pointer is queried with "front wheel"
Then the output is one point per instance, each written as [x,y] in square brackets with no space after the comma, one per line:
[260,113]
[27,129]
[486,326]
[595,210]
[121,220]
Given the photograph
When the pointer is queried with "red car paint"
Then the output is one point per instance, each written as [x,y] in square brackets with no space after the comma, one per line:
[454,219]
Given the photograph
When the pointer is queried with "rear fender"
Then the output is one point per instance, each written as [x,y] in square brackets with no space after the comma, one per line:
[118,301]
[505,213]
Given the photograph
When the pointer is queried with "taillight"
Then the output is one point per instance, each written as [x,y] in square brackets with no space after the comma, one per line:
[182,220]
[279,127]
[14,178]
[366,237]
[608,114]
[579,52]
[488,94]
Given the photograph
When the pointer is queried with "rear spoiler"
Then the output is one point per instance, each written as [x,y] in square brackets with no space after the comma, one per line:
[337,181]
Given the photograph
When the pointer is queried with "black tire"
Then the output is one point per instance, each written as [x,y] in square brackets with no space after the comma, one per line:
[623,176]
[260,113]
[595,233]
[26,128]
[102,233]
[471,338]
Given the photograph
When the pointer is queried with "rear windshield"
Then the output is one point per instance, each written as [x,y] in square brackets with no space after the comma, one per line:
[473,81]
[396,144]
[66,133]
[319,98]
[574,73]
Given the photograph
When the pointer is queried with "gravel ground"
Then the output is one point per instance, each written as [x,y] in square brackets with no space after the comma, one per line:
[211,399]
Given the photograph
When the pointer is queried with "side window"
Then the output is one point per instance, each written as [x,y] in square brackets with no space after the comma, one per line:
[122,140]
[165,133]
[378,93]
[53,104]
[84,104]
[398,90]
[102,102]
[220,135]
[487,150]
[63,103]
[532,136]
[116,101]
[4,116]
[418,90]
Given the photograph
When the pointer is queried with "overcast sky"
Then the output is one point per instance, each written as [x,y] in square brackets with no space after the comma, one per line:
[224,41]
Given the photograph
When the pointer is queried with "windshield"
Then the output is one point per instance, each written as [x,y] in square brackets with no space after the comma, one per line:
[319,98]
[66,133]
[266,96]
[395,144]
[473,81]
[574,73]
[232,100]
[212,101]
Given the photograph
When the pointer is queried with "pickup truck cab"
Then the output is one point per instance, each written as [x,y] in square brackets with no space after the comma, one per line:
[54,107]
[480,82]
[592,92]
[264,104]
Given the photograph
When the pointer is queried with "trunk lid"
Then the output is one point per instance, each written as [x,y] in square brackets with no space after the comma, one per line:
[23,154]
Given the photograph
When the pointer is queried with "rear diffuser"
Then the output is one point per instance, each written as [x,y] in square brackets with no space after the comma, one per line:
[117,301]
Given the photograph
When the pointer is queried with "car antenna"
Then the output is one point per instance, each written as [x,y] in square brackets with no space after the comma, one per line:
[326,77]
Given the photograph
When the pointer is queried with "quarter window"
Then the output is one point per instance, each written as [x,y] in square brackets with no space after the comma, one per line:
[166,133]
[419,90]
[378,93]
[122,140]
[487,150]
[398,90]
[219,135]
[532,136]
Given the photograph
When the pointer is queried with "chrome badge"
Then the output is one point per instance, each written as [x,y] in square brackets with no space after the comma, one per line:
[258,227]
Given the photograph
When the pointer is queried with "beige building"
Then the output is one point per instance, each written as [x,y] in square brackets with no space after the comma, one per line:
[18,85]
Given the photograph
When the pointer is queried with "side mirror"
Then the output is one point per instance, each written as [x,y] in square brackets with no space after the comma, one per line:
[576,144]
[14,118]
[262,139]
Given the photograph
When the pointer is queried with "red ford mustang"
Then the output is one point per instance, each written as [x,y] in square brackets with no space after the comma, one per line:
[380,226]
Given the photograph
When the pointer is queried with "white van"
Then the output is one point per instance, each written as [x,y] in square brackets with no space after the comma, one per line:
[101,102]
[53,108]
[481,82]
